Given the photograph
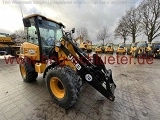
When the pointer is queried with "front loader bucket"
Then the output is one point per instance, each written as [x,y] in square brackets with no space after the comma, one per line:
[105,77]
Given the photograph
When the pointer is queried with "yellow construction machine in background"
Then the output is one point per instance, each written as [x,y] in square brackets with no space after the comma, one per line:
[85,45]
[8,46]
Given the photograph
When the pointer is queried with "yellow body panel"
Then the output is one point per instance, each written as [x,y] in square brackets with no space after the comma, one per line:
[131,50]
[121,50]
[149,49]
[62,56]
[98,50]
[40,67]
[83,46]
[5,39]
[109,49]
[86,45]
[30,50]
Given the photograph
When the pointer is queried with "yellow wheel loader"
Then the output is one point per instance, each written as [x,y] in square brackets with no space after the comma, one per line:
[121,49]
[85,45]
[156,49]
[8,46]
[99,49]
[52,51]
[142,49]
[131,48]
[109,48]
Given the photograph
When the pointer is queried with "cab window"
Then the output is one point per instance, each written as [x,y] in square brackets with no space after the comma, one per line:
[32,36]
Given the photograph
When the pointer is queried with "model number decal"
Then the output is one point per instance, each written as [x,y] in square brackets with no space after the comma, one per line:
[88,77]
[76,64]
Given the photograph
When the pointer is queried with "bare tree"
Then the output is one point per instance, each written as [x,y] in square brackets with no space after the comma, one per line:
[20,33]
[18,36]
[83,32]
[103,34]
[121,30]
[151,18]
[13,36]
[132,22]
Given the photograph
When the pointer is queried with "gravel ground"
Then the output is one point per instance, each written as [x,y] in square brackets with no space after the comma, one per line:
[137,95]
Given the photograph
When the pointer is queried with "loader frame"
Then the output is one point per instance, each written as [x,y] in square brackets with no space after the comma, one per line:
[94,73]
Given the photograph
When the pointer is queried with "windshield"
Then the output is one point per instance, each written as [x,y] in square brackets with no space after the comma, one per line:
[4,35]
[122,45]
[157,45]
[109,44]
[98,46]
[133,44]
[50,32]
[142,44]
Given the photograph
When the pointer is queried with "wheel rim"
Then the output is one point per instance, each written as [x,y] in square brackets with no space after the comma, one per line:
[23,71]
[57,88]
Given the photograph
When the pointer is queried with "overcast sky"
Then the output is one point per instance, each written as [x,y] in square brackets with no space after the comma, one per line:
[92,14]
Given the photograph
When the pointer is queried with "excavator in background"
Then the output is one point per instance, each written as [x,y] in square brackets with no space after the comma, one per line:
[85,45]
[8,46]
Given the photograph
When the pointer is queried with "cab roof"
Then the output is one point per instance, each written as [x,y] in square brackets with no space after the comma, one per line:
[36,15]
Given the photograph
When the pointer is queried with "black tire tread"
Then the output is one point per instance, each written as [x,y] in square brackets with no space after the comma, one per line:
[31,75]
[73,83]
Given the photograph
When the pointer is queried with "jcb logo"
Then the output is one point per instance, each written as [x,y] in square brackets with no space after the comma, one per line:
[76,64]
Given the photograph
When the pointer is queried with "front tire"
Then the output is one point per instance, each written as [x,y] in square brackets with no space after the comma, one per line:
[64,86]
[27,71]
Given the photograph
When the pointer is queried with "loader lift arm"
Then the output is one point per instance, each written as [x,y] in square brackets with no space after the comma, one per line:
[89,71]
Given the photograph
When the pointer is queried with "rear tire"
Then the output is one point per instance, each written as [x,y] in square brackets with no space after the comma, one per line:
[27,71]
[64,86]
[16,52]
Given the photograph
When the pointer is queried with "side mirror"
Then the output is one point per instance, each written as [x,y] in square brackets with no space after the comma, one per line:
[26,22]
[73,30]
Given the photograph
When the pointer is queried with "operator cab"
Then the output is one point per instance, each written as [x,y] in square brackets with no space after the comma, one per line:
[157,45]
[142,44]
[121,45]
[109,44]
[43,32]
